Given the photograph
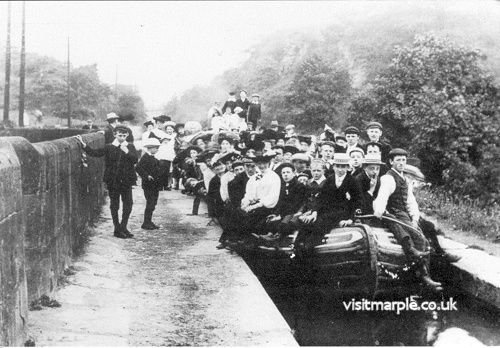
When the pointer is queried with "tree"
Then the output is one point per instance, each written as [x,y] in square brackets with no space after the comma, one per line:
[319,94]
[437,100]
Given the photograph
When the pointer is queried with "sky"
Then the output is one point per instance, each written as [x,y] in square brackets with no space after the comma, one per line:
[164,48]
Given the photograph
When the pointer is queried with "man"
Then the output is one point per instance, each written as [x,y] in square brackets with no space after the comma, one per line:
[261,195]
[214,200]
[327,151]
[290,132]
[113,121]
[352,137]
[300,161]
[369,181]
[293,195]
[243,103]
[229,103]
[338,201]
[119,175]
[278,159]
[254,111]
[374,132]
[90,125]
[396,197]
[305,144]
[357,156]
[374,147]
[340,143]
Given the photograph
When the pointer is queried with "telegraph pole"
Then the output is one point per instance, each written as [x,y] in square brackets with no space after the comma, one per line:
[6,97]
[22,69]
[69,90]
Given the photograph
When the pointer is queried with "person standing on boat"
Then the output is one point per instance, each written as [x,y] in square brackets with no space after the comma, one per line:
[374,131]
[396,198]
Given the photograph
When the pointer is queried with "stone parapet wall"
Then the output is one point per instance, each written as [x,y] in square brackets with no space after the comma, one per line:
[48,197]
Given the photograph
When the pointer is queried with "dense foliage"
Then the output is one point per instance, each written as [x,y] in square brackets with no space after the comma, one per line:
[46,90]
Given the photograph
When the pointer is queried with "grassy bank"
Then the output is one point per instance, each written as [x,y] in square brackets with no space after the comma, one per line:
[460,213]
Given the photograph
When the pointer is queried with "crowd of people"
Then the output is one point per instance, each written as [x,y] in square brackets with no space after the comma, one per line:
[262,184]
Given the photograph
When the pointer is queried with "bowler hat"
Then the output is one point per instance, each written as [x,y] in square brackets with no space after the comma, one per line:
[261,157]
[305,139]
[351,130]
[290,148]
[232,156]
[341,158]
[148,123]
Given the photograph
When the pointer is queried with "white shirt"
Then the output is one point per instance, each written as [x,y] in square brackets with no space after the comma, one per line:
[387,188]
[263,187]
[166,150]
[339,180]
[225,179]
[217,123]
[323,178]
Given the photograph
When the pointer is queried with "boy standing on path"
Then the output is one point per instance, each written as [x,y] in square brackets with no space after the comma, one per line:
[119,176]
[148,169]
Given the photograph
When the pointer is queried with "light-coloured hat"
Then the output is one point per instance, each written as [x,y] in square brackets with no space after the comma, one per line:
[301,157]
[237,110]
[373,158]
[111,116]
[341,158]
[274,123]
[151,142]
[289,126]
[357,149]
[170,123]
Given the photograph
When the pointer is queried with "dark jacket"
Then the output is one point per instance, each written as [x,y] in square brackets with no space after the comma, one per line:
[119,169]
[293,195]
[214,200]
[109,136]
[332,199]
[254,113]
[244,104]
[236,189]
[364,184]
[229,103]
[149,165]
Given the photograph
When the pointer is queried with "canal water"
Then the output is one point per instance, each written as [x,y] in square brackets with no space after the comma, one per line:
[319,320]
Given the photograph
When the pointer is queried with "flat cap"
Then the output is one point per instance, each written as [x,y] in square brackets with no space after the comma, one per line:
[374,124]
[398,152]
[351,130]
[112,116]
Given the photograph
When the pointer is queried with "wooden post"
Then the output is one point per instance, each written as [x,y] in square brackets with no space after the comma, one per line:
[22,69]
[6,97]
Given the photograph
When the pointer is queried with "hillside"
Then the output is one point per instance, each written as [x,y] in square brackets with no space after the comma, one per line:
[362,44]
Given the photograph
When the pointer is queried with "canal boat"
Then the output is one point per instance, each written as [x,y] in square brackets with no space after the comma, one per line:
[362,258]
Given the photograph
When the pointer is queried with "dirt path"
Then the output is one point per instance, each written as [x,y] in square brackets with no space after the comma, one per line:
[165,287]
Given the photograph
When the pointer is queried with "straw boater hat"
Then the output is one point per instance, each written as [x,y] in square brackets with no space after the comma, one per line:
[301,157]
[341,158]
[151,142]
[373,158]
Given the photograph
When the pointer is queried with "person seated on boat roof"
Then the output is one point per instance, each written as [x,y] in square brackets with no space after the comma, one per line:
[261,195]
[284,220]
[369,181]
[337,202]
[428,227]
[395,200]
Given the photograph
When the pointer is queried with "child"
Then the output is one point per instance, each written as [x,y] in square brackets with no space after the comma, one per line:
[148,169]
[119,176]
